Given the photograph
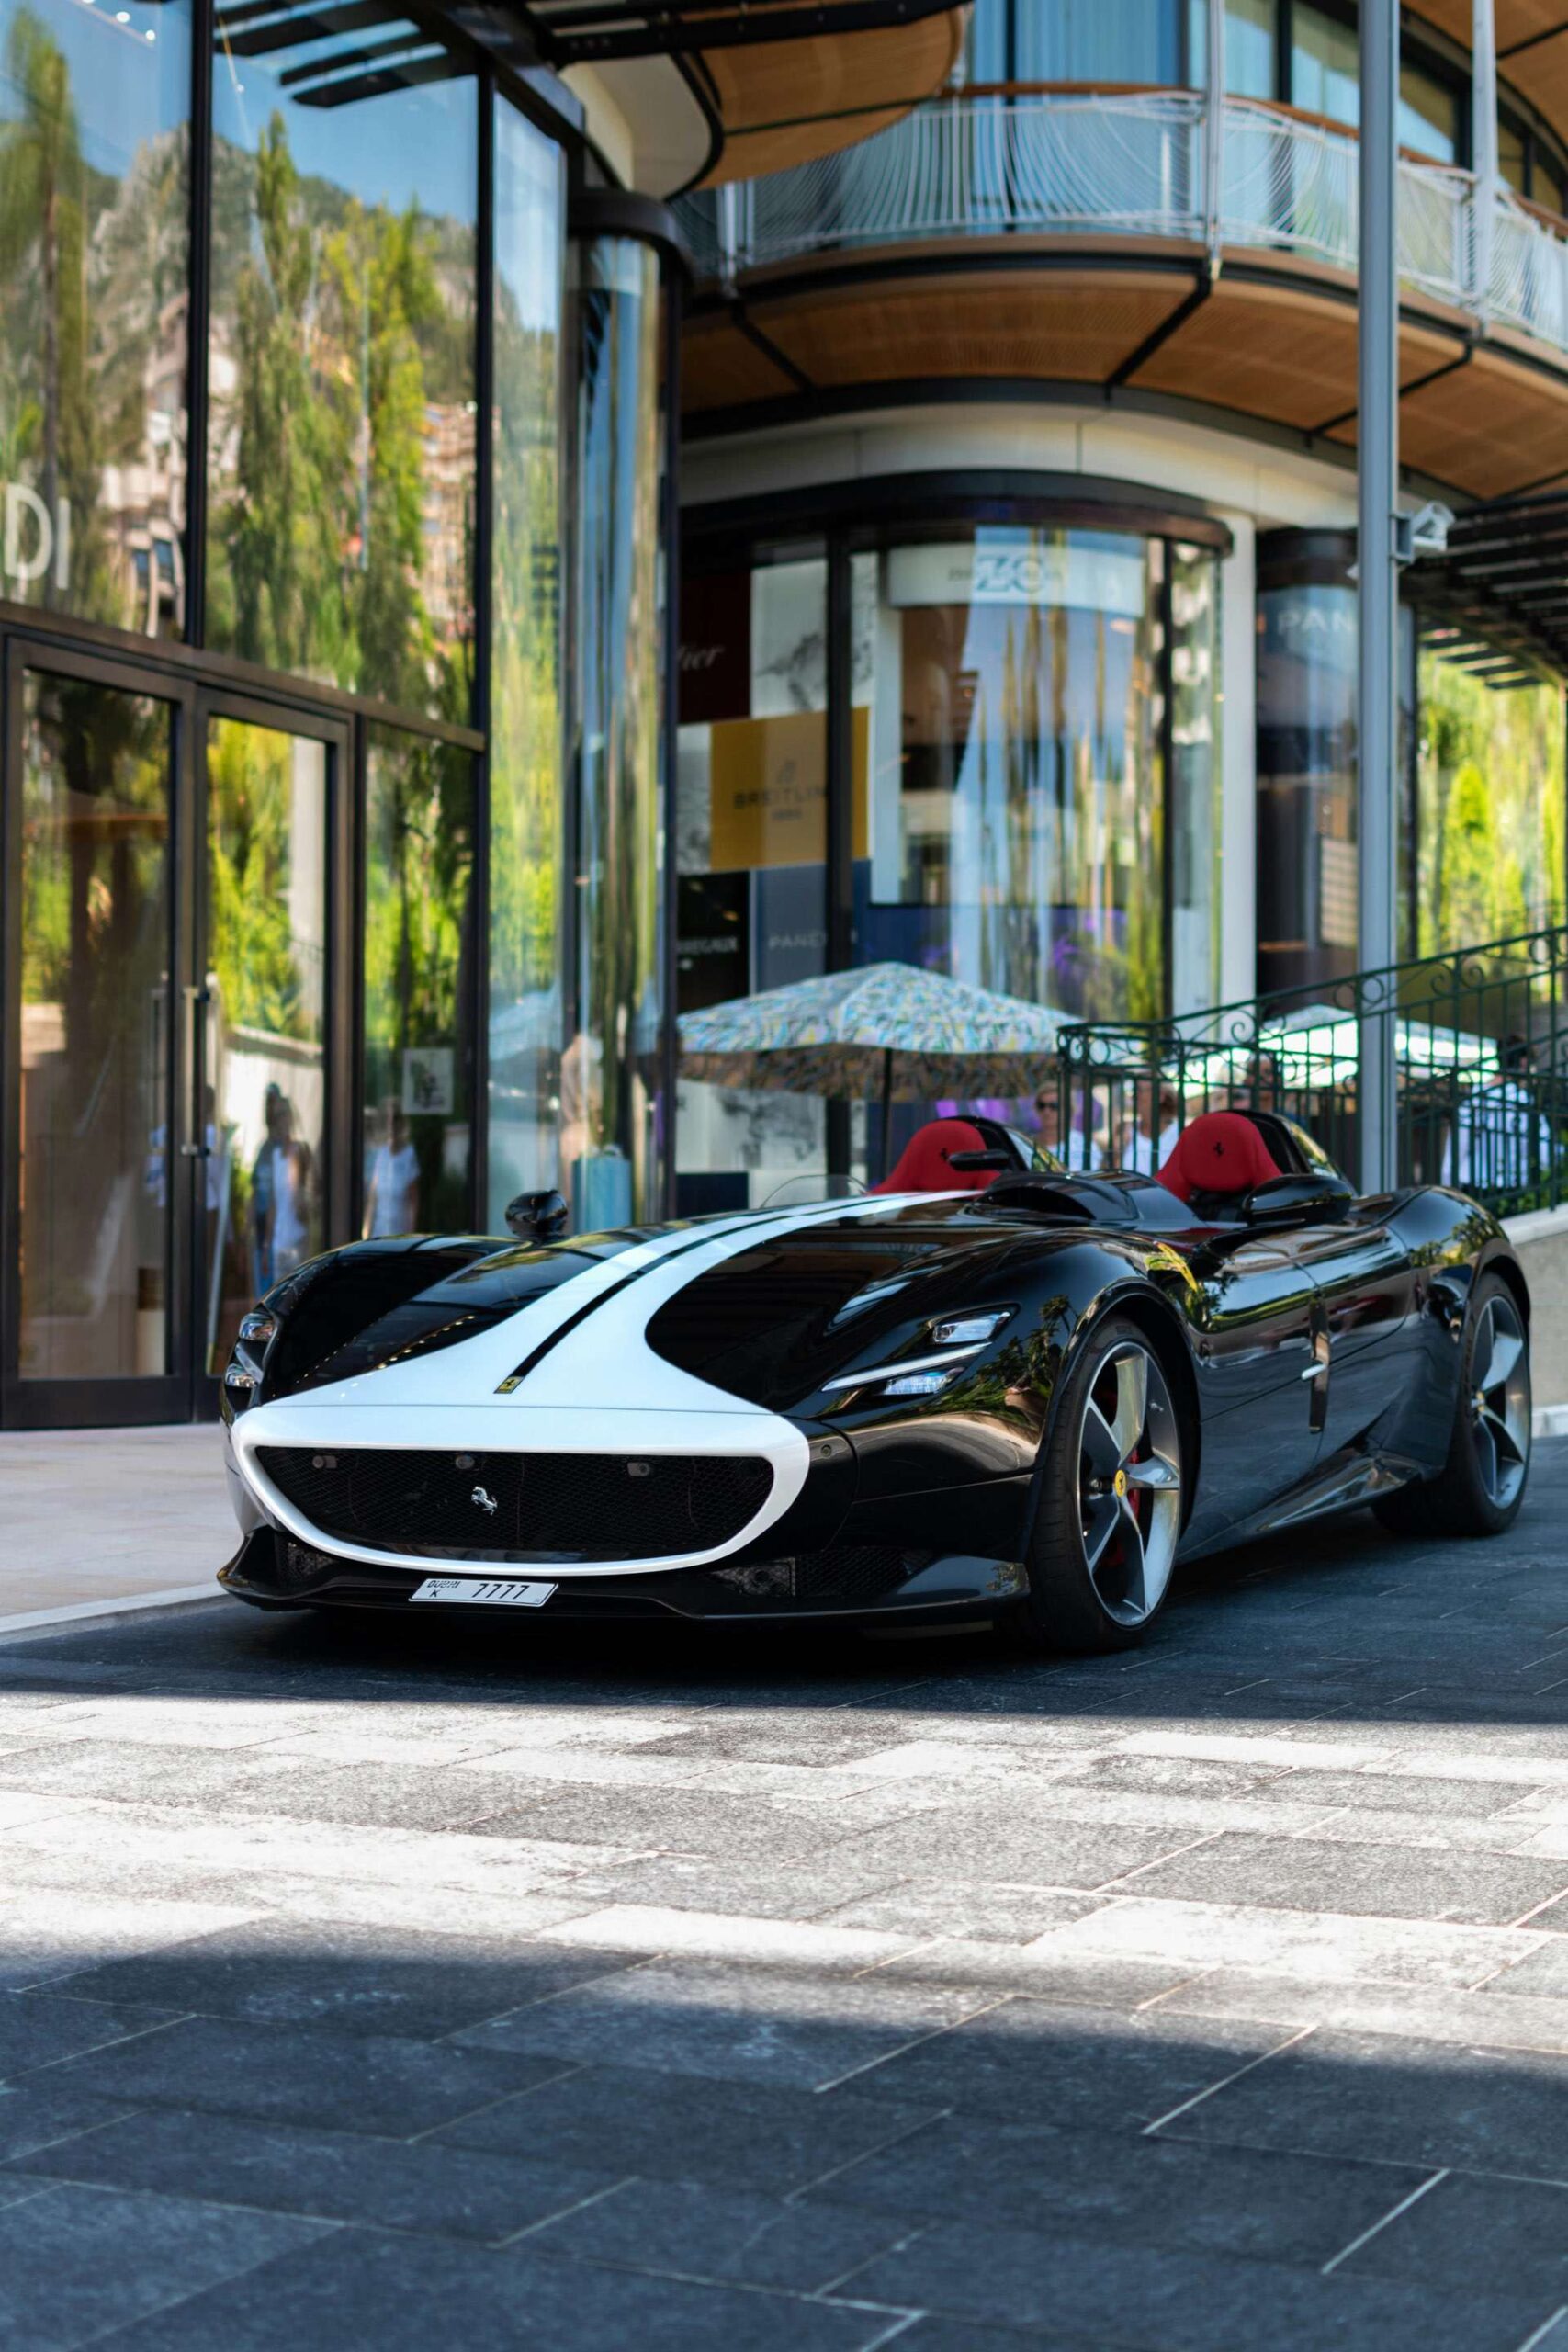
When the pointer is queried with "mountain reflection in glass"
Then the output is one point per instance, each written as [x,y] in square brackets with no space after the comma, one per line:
[342,436]
[93,235]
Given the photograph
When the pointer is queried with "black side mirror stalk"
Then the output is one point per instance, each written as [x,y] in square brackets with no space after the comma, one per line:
[1296,1200]
[536,1216]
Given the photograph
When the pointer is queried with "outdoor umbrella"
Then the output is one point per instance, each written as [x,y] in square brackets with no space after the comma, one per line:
[886,1029]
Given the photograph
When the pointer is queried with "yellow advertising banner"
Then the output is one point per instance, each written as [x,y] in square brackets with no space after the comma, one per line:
[767,790]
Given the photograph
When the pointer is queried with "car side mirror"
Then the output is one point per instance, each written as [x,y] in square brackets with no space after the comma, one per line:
[536,1216]
[967,1161]
[1295,1200]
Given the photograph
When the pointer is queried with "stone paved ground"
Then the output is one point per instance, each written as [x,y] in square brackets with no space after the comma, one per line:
[388,1985]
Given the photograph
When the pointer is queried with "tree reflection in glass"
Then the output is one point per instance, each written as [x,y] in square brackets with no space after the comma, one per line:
[419,984]
[94,238]
[342,440]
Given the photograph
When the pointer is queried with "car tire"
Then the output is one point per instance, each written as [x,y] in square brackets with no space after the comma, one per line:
[1108,1513]
[1482,1484]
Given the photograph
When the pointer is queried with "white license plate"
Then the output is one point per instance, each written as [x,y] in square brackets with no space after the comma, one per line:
[492,1592]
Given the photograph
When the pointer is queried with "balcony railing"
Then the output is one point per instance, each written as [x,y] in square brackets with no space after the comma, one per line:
[1139,166]
[1481,1058]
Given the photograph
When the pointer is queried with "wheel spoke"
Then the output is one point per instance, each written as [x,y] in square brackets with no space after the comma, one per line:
[1099,1527]
[1100,1443]
[1507,1349]
[1134,1589]
[1503,1437]
[1132,1401]
[1486,1459]
[1155,1473]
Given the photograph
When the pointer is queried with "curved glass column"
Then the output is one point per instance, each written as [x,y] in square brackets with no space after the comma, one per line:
[610,1071]
[1017,766]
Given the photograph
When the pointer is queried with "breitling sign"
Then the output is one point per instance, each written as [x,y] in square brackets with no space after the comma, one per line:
[768,788]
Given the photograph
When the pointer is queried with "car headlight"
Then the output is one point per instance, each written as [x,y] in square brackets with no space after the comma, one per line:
[244,1372]
[951,1343]
[966,1330]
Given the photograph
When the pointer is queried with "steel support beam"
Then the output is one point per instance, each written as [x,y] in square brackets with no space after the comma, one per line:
[1483,145]
[1377,489]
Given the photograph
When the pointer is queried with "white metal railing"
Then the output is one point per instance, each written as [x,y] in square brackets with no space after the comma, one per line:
[1138,166]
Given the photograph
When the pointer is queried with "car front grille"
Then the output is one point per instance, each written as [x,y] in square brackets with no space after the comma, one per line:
[498,1506]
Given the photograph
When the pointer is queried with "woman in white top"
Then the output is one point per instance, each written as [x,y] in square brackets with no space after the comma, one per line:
[392,1195]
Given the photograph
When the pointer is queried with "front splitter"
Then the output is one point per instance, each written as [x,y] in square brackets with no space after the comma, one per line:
[954,1582]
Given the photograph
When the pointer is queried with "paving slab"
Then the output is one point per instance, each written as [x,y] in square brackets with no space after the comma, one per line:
[372,1981]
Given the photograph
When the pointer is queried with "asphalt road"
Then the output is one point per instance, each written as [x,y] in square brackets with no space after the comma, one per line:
[388,1983]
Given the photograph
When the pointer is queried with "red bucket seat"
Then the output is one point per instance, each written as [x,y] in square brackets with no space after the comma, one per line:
[1221,1152]
[923,1162]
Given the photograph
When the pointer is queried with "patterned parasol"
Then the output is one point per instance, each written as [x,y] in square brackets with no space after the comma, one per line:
[891,1030]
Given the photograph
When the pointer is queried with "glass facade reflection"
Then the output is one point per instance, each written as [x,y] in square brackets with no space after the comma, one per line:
[266,990]
[95,223]
[526,850]
[1031,749]
[354,920]
[419,956]
[340,436]
[1016,802]
[1306,776]
[610,1093]
[1291,52]
[96,1147]
[1491,806]
[751,847]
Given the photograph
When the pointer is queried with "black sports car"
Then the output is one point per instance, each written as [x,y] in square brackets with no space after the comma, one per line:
[1028,1400]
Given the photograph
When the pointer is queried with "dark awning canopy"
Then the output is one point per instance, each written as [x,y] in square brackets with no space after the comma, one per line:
[1496,602]
[586,33]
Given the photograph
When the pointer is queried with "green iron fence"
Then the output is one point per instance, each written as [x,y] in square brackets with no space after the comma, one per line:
[1480,1051]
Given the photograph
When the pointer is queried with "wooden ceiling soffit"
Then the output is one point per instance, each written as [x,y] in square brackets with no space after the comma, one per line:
[785,102]
[1489,427]
[1532,46]
[1073,326]
[722,366]
[1275,352]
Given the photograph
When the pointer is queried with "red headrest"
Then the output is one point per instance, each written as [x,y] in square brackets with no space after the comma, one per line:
[1220,1152]
[922,1164]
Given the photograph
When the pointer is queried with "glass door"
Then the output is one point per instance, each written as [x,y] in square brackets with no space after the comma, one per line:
[95,1184]
[270,1038]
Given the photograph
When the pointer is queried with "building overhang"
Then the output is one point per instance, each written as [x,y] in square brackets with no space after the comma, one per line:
[1532,47]
[1495,601]
[710,91]
[1258,340]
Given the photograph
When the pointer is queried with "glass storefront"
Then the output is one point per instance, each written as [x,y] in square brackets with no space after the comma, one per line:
[1016,832]
[1482,793]
[1306,773]
[1032,778]
[751,845]
[313,889]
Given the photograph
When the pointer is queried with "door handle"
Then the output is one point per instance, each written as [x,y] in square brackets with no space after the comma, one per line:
[195,996]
